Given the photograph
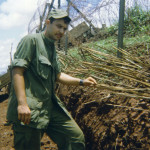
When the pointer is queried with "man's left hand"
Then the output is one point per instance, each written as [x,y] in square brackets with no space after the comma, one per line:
[89,82]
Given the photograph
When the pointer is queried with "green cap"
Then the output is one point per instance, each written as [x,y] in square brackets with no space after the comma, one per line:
[58,14]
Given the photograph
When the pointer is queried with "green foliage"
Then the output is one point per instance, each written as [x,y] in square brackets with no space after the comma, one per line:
[112,29]
[74,53]
[137,37]
[136,21]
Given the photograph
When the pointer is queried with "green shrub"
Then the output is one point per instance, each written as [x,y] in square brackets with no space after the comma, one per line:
[136,21]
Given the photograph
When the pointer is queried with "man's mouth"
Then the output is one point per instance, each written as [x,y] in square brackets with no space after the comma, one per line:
[58,36]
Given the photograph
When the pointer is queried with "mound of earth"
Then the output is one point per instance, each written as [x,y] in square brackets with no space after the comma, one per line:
[108,121]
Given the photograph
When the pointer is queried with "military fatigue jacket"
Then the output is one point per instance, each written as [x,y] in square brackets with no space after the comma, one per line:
[37,55]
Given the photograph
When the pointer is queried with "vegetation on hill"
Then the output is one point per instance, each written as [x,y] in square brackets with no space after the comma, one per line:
[136,33]
[99,57]
[136,22]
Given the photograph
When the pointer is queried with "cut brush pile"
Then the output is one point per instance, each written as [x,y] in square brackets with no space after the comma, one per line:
[128,76]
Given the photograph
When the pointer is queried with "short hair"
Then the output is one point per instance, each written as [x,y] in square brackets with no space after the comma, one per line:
[66,20]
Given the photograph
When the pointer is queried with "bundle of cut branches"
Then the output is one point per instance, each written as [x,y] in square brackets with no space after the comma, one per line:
[127,76]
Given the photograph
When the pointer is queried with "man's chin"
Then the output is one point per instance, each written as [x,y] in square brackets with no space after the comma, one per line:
[58,38]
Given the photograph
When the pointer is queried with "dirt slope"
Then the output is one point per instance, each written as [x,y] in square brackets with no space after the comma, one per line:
[105,126]
[109,126]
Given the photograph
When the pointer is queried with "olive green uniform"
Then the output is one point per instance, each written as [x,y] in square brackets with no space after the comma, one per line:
[37,55]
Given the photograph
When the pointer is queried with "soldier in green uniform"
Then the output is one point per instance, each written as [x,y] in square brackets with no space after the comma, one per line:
[33,106]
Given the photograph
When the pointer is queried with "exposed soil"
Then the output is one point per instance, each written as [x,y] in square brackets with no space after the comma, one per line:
[108,121]
[6,134]
[105,122]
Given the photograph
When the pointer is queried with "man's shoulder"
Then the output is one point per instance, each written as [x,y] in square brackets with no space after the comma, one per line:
[33,36]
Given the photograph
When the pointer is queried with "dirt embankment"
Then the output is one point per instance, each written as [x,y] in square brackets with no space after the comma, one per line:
[6,134]
[108,121]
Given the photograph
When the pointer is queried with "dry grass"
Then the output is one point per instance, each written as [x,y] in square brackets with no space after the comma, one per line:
[127,76]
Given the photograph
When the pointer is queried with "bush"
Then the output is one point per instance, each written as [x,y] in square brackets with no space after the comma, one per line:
[136,21]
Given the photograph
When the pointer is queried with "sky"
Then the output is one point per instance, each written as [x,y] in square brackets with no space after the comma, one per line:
[15,16]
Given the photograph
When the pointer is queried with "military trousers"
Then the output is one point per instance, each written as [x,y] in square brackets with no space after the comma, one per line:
[63,130]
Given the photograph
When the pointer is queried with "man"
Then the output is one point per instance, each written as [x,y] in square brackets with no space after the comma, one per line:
[33,108]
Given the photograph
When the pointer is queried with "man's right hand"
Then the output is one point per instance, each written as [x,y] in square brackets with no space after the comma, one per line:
[24,114]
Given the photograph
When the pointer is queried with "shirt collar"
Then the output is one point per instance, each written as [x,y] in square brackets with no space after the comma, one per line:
[48,40]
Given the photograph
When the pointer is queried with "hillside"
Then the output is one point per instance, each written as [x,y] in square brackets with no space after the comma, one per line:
[115,114]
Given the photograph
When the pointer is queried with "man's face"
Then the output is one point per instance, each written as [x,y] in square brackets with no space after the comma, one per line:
[56,29]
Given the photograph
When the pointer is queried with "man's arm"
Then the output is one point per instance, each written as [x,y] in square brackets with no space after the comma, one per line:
[24,113]
[69,80]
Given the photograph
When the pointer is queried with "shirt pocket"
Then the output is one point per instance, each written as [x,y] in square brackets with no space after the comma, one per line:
[44,67]
[35,107]
[33,103]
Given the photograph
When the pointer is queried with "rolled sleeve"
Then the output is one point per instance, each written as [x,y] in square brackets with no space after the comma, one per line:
[24,53]
[19,63]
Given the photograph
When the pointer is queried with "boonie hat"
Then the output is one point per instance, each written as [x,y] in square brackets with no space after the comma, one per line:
[58,14]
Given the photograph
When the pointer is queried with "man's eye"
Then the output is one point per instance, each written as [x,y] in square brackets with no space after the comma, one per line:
[59,26]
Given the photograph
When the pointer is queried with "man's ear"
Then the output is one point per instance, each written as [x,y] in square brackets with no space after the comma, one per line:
[47,22]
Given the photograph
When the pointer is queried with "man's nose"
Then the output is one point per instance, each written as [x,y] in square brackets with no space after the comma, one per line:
[62,31]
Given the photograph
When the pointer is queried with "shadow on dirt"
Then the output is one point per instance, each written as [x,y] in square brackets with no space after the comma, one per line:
[3,97]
